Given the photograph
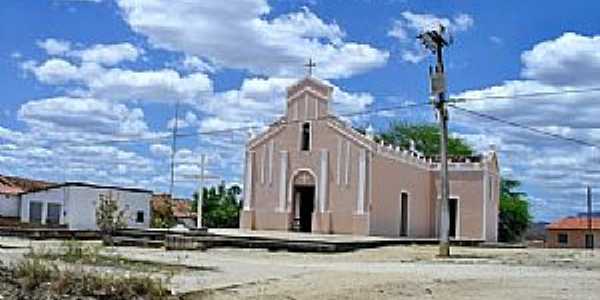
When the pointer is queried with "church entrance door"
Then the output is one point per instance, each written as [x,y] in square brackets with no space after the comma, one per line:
[305,206]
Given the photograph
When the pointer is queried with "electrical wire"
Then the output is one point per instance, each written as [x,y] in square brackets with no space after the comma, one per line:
[522,126]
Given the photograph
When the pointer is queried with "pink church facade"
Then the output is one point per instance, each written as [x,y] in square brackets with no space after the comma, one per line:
[311,172]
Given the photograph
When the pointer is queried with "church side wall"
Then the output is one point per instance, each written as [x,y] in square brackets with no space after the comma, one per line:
[468,188]
[390,178]
[493,206]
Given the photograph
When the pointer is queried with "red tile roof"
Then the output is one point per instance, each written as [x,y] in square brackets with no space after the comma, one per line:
[574,223]
[15,185]
[181,208]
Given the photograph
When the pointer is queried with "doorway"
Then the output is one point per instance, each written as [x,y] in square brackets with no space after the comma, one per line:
[304,207]
[589,241]
[453,208]
[35,212]
[403,214]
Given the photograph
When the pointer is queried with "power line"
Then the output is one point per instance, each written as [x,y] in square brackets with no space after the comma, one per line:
[166,136]
[242,128]
[522,126]
[526,95]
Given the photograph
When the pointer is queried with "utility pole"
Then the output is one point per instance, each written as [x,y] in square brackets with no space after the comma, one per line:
[201,177]
[435,42]
[174,149]
[200,193]
[589,218]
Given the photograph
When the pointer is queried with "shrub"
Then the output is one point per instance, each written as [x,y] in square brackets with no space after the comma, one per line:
[35,274]
[109,217]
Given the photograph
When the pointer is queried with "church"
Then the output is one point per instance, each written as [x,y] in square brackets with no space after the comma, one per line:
[312,172]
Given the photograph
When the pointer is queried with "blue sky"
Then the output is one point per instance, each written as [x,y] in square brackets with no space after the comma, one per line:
[78,74]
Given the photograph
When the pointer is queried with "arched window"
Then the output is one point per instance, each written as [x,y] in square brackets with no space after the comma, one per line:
[305,137]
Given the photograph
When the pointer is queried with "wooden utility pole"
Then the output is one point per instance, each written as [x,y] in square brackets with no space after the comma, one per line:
[435,42]
[589,219]
[174,149]
[200,193]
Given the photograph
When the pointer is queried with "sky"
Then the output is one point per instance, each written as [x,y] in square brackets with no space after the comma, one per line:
[89,87]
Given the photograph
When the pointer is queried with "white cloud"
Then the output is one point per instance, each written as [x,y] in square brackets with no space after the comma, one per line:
[102,54]
[86,116]
[551,169]
[164,85]
[572,54]
[216,31]
[188,120]
[108,55]
[411,24]
[414,56]
[100,90]
[160,150]
[260,101]
[194,63]
[54,71]
[54,46]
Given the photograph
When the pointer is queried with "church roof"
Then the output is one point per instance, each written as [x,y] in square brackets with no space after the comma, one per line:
[310,82]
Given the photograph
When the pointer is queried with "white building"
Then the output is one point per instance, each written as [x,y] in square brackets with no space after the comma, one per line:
[74,204]
[9,205]
[10,200]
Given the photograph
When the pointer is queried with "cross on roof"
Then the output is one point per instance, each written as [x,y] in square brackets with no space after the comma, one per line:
[310,65]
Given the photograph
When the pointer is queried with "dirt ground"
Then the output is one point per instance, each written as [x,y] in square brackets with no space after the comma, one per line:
[405,272]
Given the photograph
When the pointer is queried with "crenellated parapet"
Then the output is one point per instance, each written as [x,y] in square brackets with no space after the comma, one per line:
[415,158]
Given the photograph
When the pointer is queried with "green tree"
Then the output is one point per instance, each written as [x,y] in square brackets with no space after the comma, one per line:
[109,217]
[514,212]
[426,138]
[514,217]
[220,206]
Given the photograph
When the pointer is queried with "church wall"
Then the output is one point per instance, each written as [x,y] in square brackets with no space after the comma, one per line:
[390,178]
[493,205]
[341,198]
[343,180]
[277,157]
[468,187]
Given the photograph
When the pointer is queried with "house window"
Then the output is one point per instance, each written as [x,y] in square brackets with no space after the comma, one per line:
[563,238]
[140,217]
[53,216]
[305,137]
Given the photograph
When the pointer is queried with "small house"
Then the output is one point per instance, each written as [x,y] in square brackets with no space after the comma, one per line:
[73,205]
[574,232]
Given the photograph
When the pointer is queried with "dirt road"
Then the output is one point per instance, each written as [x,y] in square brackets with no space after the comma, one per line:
[409,272]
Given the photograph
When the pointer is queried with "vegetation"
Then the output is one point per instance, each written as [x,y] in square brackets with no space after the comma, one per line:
[109,217]
[35,274]
[162,215]
[75,252]
[514,212]
[426,138]
[514,217]
[220,206]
